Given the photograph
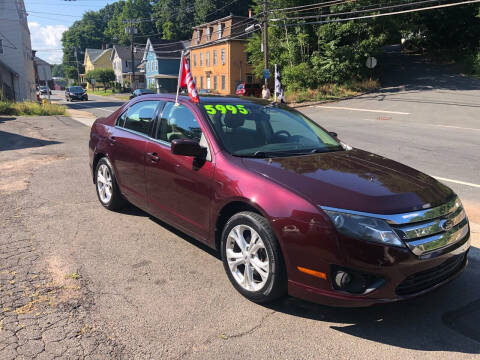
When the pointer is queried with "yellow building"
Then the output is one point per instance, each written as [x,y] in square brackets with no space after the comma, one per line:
[218,57]
[96,59]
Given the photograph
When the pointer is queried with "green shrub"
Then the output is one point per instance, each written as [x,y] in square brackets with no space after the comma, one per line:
[30,108]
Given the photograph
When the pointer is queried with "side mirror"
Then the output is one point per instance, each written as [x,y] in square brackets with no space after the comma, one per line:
[334,134]
[187,147]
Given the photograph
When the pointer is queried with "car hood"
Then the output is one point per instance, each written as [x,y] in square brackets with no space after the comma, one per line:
[355,180]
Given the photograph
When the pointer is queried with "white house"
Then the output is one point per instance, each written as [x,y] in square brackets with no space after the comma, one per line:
[121,59]
[16,50]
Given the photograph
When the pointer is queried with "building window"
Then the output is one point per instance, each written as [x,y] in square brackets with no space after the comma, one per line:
[201,82]
[215,83]
[219,31]
[223,82]
[156,66]
[126,64]
[1,47]
[201,59]
[249,79]
[194,60]
[207,58]
[199,36]
[209,33]
[222,56]
[195,79]
[214,57]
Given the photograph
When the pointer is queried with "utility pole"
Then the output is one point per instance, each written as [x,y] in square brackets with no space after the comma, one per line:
[131,30]
[78,66]
[265,36]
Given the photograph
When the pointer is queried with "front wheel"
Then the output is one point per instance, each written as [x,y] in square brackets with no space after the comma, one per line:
[106,186]
[252,258]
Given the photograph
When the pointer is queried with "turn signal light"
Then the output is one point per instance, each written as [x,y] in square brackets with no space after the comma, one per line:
[315,273]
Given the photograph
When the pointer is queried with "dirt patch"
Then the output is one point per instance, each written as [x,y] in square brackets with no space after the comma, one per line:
[15,173]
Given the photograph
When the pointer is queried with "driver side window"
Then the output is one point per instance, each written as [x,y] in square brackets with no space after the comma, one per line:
[178,122]
[139,117]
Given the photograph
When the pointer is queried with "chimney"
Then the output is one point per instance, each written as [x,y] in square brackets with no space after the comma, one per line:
[250,13]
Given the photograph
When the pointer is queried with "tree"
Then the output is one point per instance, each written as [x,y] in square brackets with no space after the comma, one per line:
[92,76]
[57,71]
[106,77]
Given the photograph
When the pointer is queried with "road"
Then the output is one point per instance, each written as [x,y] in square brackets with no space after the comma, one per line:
[138,288]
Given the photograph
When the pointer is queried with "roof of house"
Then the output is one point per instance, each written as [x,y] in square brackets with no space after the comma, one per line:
[234,17]
[125,53]
[39,61]
[167,48]
[95,54]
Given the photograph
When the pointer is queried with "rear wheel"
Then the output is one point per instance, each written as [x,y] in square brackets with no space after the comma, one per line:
[252,258]
[106,186]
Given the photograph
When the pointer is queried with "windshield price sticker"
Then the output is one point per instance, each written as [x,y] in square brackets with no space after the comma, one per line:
[234,109]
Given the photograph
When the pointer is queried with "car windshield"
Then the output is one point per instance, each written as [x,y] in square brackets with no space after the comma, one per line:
[76,88]
[43,88]
[250,129]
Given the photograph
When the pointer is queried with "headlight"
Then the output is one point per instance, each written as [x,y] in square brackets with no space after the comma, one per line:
[365,228]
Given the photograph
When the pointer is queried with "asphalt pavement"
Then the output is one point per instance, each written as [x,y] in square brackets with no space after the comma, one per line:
[145,290]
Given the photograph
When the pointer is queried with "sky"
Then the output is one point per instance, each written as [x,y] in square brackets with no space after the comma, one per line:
[48,19]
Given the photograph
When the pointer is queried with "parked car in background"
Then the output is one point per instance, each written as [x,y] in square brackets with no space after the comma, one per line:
[289,207]
[140,92]
[249,90]
[76,93]
[43,90]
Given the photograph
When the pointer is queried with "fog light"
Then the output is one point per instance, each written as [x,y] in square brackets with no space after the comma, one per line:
[354,282]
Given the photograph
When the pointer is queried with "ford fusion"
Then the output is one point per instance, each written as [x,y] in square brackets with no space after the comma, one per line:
[290,208]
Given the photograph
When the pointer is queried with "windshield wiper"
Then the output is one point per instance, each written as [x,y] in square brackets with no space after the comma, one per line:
[324,150]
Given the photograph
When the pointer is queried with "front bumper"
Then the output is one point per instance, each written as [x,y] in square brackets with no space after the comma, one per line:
[436,241]
[78,97]
[405,278]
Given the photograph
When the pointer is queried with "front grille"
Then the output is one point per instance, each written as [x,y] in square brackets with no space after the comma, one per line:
[431,277]
[441,228]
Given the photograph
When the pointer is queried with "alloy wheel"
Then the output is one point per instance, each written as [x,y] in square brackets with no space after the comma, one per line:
[247,258]
[104,183]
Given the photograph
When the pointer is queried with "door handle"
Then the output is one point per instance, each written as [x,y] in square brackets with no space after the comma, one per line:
[153,157]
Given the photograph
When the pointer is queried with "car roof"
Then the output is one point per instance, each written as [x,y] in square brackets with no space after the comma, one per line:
[212,99]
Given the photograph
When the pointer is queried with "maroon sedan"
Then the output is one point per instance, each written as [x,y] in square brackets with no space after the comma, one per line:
[290,208]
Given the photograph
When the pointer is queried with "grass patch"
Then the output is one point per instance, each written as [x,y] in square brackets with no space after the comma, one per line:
[73,276]
[101,92]
[30,108]
[331,91]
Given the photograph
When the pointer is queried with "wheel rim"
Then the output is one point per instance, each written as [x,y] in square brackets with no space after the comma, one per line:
[247,258]
[104,183]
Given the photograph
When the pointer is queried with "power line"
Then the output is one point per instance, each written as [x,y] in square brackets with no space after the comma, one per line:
[379,15]
[362,10]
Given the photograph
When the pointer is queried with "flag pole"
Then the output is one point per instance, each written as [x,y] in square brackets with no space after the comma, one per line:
[179,78]
[275,86]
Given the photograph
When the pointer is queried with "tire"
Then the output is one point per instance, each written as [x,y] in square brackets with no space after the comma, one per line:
[108,192]
[261,286]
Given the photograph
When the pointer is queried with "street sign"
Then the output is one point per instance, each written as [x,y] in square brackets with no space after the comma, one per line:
[371,62]
[266,73]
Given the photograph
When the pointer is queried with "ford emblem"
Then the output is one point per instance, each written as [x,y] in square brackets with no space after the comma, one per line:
[447,225]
